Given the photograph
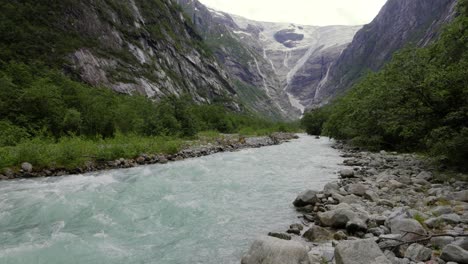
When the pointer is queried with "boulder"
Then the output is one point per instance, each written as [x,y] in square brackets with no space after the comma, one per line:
[308,197]
[441,210]
[410,228]
[424,175]
[280,235]
[26,167]
[340,214]
[460,196]
[359,252]
[270,250]
[454,253]
[331,187]
[356,189]
[356,225]
[418,252]
[347,173]
[441,242]
[371,196]
[317,233]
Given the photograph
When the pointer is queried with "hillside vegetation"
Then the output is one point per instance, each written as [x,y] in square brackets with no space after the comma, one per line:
[418,102]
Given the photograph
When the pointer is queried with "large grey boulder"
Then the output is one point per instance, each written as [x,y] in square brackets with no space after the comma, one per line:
[270,250]
[360,252]
[409,228]
[418,252]
[454,253]
[308,197]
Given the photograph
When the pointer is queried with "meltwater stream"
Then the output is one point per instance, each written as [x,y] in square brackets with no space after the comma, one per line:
[204,210]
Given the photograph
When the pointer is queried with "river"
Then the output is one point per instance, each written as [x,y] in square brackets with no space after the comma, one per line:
[205,210]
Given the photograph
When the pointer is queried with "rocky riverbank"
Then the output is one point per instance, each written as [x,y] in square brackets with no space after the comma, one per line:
[225,144]
[387,208]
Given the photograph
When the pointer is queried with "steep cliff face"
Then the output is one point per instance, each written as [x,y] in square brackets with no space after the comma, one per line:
[287,61]
[145,47]
[399,23]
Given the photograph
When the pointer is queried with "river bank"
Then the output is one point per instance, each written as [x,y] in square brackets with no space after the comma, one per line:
[226,143]
[386,208]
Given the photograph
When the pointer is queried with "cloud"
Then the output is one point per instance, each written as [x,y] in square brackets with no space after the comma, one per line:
[308,12]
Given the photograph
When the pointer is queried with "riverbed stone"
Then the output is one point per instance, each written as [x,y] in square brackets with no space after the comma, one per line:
[403,226]
[418,252]
[454,253]
[359,252]
[308,197]
[356,225]
[26,167]
[340,215]
[317,233]
[280,235]
[356,189]
[441,242]
[270,250]
[347,173]
[460,196]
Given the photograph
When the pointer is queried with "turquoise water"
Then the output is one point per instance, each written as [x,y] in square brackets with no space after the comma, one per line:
[204,210]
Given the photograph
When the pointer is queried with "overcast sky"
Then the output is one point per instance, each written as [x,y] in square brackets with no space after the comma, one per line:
[307,12]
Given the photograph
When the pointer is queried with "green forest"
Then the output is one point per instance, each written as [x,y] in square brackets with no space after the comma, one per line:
[418,102]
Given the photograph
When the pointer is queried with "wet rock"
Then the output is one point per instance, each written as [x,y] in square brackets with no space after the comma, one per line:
[270,250]
[418,252]
[296,226]
[306,198]
[294,231]
[359,252]
[454,253]
[347,173]
[280,235]
[317,233]
[27,167]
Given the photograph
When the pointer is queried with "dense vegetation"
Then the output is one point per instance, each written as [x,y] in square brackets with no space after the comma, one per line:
[45,116]
[418,102]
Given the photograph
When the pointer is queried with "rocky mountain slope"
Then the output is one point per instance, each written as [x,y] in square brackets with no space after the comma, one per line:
[145,47]
[399,23]
[287,61]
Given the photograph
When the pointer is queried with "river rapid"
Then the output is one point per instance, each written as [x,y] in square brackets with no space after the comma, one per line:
[204,210]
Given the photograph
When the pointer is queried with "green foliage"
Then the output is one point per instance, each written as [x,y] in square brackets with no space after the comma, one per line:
[313,121]
[418,102]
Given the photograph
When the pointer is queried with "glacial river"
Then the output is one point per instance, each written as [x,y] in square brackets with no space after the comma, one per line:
[205,210]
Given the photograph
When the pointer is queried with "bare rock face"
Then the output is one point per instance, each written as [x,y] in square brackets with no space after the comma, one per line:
[270,250]
[399,22]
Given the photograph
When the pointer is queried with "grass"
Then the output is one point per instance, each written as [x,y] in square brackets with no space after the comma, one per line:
[73,152]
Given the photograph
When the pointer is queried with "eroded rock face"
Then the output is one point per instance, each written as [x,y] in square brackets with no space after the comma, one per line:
[270,250]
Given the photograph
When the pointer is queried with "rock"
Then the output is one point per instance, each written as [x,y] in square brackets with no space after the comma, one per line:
[141,160]
[356,225]
[435,222]
[306,198]
[331,187]
[317,233]
[441,210]
[393,184]
[371,196]
[454,253]
[424,175]
[462,242]
[9,173]
[384,202]
[350,199]
[347,173]
[296,226]
[340,215]
[441,242]
[403,226]
[356,189]
[294,231]
[270,250]
[460,196]
[340,235]
[26,167]
[359,252]
[417,252]
[280,236]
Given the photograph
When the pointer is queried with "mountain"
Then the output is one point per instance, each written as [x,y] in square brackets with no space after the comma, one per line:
[286,61]
[399,23]
[146,47]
